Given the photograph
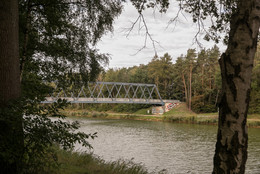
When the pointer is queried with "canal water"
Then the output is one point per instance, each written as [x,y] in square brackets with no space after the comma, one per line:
[178,148]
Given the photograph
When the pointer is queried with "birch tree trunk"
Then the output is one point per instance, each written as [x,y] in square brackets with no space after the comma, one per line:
[11,132]
[236,67]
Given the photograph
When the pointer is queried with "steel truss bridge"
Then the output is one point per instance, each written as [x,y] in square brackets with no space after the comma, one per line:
[109,92]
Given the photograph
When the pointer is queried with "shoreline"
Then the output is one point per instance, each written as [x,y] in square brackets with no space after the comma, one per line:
[177,115]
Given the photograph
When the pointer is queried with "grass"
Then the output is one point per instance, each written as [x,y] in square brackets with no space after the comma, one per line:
[182,114]
[180,110]
[179,114]
[253,122]
[83,113]
[254,116]
[144,111]
[85,163]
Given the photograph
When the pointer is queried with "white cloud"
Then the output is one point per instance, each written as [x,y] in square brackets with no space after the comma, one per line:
[176,39]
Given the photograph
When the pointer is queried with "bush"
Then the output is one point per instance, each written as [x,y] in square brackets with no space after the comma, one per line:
[254,106]
[129,108]
[99,114]
[41,132]
[84,113]
[199,106]
[74,162]
[209,108]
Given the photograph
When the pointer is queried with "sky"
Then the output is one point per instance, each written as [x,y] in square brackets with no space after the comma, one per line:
[174,39]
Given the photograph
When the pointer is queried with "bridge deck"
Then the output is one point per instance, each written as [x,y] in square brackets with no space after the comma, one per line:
[110,100]
[105,100]
[110,92]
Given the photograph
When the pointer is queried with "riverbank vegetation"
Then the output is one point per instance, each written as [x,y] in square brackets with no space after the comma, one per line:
[52,47]
[179,114]
[60,161]
[82,163]
[193,78]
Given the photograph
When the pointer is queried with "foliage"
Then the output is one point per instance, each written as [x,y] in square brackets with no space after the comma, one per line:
[121,108]
[144,111]
[57,41]
[206,80]
[239,20]
[129,108]
[58,37]
[200,107]
[172,79]
[40,132]
[161,72]
[218,12]
[43,127]
[254,106]
[194,78]
[74,162]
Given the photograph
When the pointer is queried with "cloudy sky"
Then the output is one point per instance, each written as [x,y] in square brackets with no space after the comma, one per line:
[174,39]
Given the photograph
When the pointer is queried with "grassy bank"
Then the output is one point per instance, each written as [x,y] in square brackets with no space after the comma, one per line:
[61,161]
[85,163]
[179,114]
[139,115]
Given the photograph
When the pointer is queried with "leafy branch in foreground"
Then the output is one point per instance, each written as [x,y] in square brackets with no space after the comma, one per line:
[44,126]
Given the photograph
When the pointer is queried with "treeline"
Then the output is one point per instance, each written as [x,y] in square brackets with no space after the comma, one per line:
[194,78]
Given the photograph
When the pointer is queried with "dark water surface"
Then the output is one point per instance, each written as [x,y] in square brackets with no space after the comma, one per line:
[178,148]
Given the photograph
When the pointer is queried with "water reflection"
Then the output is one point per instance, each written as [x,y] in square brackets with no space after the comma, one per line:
[179,148]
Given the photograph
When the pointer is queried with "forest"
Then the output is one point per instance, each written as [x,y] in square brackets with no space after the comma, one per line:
[194,78]
[41,41]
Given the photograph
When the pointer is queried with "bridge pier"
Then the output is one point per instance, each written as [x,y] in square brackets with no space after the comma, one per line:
[168,105]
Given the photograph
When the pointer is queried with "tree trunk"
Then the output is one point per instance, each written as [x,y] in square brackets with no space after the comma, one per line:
[11,132]
[236,67]
[210,85]
[190,87]
[185,88]
[216,100]
[26,39]
[202,83]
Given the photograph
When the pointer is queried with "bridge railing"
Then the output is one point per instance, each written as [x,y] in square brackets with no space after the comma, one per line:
[109,92]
